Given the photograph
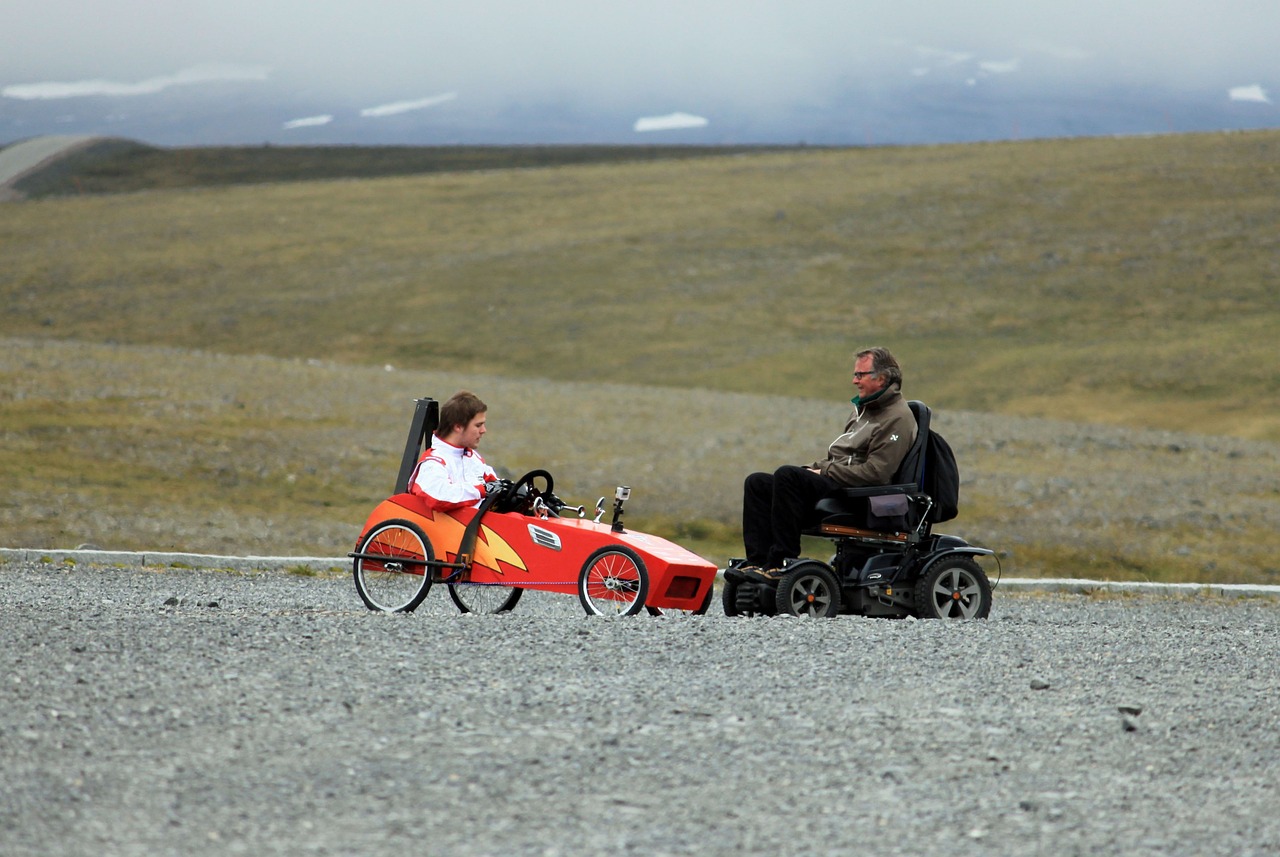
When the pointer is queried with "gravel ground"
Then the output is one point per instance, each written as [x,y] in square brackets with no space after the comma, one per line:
[208,712]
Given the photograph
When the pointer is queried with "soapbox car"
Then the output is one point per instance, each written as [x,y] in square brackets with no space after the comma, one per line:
[890,566]
[522,537]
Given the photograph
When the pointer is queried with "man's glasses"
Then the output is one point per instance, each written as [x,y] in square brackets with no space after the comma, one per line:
[858,376]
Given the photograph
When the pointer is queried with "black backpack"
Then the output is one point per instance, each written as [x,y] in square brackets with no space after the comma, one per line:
[941,479]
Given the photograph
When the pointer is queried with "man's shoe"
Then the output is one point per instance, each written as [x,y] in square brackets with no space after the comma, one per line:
[770,575]
[734,570]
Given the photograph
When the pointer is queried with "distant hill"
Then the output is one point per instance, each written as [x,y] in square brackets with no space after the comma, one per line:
[108,165]
[903,103]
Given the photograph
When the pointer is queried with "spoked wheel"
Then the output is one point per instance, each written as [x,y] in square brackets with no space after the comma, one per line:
[484,597]
[810,589]
[613,582]
[391,570]
[954,588]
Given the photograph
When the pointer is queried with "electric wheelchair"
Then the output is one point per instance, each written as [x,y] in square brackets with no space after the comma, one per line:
[888,562]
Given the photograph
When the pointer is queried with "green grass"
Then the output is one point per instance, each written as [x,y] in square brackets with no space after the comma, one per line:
[1120,282]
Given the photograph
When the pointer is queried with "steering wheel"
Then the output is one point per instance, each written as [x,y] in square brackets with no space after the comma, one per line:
[520,496]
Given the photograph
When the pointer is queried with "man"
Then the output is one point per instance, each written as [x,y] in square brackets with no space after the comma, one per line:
[878,434]
[451,474]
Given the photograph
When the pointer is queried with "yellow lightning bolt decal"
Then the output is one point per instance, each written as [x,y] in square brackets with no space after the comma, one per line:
[445,532]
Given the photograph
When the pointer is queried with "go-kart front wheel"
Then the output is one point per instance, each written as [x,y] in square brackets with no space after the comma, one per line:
[954,588]
[809,589]
[484,597]
[391,569]
[613,582]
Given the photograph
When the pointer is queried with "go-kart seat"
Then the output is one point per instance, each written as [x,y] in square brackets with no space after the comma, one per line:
[848,511]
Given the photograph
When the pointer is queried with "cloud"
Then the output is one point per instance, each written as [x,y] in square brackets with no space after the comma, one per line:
[999,66]
[397,107]
[84,88]
[670,122]
[1249,93]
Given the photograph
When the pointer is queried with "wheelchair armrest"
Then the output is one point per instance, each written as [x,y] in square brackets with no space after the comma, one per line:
[837,502]
[875,490]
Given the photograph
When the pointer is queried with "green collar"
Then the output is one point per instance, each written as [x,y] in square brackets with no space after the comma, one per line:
[858,401]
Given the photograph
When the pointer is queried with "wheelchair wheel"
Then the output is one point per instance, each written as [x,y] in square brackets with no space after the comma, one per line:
[484,597]
[809,589]
[729,598]
[613,582]
[953,588]
[391,572]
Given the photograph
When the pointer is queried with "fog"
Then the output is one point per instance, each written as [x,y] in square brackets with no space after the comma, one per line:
[658,56]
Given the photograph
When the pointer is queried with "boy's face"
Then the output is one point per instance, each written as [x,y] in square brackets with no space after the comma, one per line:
[472,432]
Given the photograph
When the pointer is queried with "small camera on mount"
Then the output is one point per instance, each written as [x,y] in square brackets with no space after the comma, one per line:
[620,496]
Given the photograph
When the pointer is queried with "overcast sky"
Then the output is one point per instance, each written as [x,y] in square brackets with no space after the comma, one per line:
[669,53]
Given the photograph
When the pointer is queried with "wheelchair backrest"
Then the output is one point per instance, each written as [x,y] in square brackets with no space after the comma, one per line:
[911,470]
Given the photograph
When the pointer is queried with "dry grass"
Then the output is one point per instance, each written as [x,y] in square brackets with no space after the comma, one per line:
[1112,281]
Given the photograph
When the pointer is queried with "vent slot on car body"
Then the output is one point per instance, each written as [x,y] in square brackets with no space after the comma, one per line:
[544,537]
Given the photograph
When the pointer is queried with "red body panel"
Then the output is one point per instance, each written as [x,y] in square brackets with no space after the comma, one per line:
[548,553]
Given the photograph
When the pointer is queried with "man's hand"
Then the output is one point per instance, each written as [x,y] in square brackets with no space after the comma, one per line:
[496,486]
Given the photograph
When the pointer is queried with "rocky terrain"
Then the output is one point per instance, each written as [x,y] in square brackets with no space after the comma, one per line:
[154,712]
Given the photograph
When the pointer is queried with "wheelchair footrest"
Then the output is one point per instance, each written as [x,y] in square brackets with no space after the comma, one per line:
[858,532]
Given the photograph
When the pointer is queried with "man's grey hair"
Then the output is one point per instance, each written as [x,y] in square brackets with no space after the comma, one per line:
[883,364]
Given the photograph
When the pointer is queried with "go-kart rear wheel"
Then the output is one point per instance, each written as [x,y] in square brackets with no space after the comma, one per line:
[954,588]
[484,597]
[810,589]
[613,582]
[391,572]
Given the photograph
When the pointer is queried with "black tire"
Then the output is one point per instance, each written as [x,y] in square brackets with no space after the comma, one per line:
[729,598]
[747,599]
[484,597]
[810,589]
[953,588]
[706,601]
[613,582]
[392,575]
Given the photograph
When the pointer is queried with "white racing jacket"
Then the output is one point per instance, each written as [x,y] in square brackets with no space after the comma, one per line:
[449,477]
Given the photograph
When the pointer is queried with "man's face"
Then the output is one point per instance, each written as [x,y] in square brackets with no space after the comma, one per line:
[472,432]
[864,381]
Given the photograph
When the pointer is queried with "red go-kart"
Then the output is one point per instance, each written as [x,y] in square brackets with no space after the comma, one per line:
[519,538]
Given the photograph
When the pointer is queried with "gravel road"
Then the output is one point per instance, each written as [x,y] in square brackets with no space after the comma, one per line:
[192,712]
[18,160]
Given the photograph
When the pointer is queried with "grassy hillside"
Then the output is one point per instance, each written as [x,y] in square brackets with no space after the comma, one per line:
[138,447]
[125,166]
[1127,281]
[1065,306]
